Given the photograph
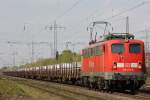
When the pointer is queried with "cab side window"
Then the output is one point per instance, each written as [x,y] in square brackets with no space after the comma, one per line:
[97,50]
[84,53]
[89,52]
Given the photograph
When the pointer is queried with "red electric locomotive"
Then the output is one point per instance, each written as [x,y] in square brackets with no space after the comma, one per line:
[116,62]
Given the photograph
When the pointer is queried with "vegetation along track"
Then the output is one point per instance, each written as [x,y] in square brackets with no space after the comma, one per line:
[78,93]
[60,91]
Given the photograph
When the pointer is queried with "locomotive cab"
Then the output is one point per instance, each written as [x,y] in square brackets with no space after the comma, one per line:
[127,59]
[128,62]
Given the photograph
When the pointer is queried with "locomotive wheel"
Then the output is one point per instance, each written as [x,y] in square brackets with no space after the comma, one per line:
[107,86]
[133,91]
[90,85]
[100,87]
[85,81]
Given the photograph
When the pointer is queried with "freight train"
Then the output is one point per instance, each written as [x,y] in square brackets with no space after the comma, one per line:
[116,62]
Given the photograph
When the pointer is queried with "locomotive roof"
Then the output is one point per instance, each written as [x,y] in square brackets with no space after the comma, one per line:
[118,36]
[113,36]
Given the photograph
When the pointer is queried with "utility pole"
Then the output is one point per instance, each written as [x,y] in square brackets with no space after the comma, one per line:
[147,48]
[14,53]
[127,24]
[32,46]
[32,54]
[37,43]
[146,41]
[55,27]
[14,58]
[67,45]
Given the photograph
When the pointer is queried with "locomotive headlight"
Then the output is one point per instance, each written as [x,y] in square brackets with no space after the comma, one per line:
[140,65]
[134,65]
[114,65]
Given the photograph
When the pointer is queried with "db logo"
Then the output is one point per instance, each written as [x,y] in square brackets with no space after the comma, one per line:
[91,64]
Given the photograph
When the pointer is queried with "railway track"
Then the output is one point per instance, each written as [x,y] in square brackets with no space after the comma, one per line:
[139,96]
[70,92]
[65,93]
[142,97]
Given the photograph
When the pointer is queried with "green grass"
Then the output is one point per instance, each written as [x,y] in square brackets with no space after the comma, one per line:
[12,90]
[35,93]
[148,80]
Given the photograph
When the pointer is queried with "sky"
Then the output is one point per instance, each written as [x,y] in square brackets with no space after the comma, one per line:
[24,22]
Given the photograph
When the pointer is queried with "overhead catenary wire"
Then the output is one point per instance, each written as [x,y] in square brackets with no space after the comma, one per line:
[95,11]
[69,9]
[118,14]
[128,10]
[29,43]
[111,17]
[64,13]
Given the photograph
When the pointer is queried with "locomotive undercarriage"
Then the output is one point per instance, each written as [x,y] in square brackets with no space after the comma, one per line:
[110,85]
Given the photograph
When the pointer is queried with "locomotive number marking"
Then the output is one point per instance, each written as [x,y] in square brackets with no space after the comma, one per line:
[127,65]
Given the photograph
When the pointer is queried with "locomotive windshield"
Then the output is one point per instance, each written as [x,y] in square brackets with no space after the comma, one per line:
[117,48]
[135,48]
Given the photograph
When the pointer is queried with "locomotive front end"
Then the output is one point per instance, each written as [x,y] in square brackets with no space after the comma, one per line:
[128,63]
